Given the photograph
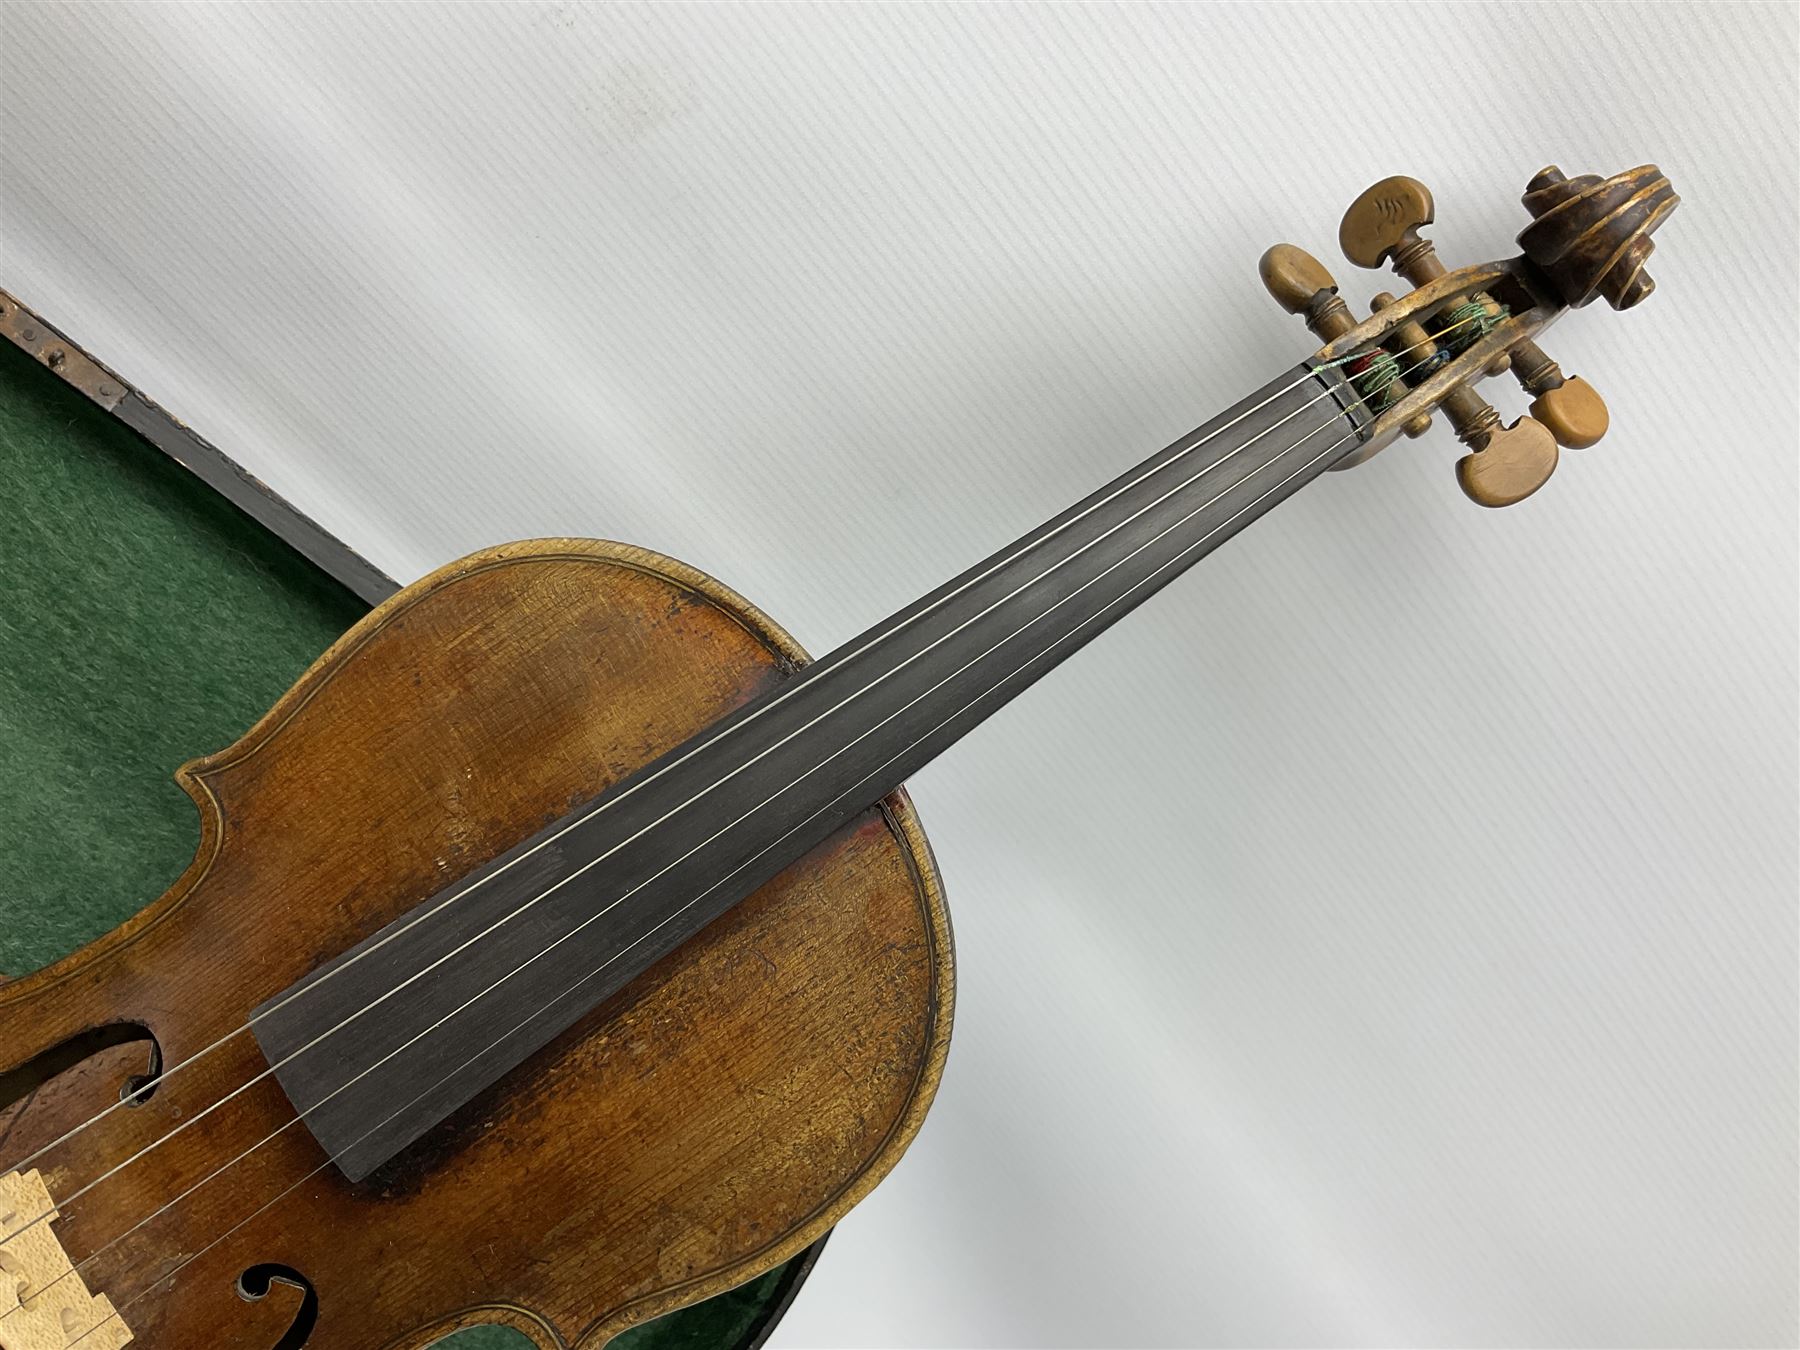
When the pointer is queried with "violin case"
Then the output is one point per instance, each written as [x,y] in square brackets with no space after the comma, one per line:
[144,619]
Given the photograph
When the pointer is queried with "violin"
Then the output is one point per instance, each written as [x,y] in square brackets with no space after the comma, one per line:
[563,947]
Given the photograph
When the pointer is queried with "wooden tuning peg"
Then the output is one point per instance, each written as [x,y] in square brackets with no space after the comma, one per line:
[1574,413]
[1301,285]
[1504,464]
[1516,462]
[1382,225]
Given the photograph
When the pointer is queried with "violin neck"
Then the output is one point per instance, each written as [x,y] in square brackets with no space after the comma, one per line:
[988,634]
[572,915]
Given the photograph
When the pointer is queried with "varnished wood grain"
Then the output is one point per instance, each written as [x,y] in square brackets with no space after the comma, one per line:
[708,1122]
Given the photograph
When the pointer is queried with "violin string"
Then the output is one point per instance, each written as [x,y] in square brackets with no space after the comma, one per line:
[504,919]
[625,896]
[118,1312]
[830,662]
[1365,396]
[1062,639]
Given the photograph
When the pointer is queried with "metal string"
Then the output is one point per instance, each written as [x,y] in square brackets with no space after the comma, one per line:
[778,793]
[1387,378]
[594,862]
[830,662]
[1053,645]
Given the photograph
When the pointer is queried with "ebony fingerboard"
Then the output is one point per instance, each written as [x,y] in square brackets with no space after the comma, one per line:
[388,1039]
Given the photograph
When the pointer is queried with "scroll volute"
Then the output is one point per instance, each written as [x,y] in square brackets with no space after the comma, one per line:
[1591,236]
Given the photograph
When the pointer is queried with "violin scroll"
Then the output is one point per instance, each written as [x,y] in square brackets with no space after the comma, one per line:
[1426,350]
[1591,236]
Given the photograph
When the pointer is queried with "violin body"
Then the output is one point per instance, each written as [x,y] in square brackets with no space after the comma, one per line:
[703,1125]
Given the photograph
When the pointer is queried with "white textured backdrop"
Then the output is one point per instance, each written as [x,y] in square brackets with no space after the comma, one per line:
[1389,935]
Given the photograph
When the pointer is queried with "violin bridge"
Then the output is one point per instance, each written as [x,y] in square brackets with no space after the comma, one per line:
[43,1303]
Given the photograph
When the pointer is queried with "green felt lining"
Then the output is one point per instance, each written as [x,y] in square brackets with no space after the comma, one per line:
[144,622]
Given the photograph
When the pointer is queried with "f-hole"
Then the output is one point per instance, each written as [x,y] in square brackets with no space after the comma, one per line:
[136,1089]
[141,1087]
[254,1284]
